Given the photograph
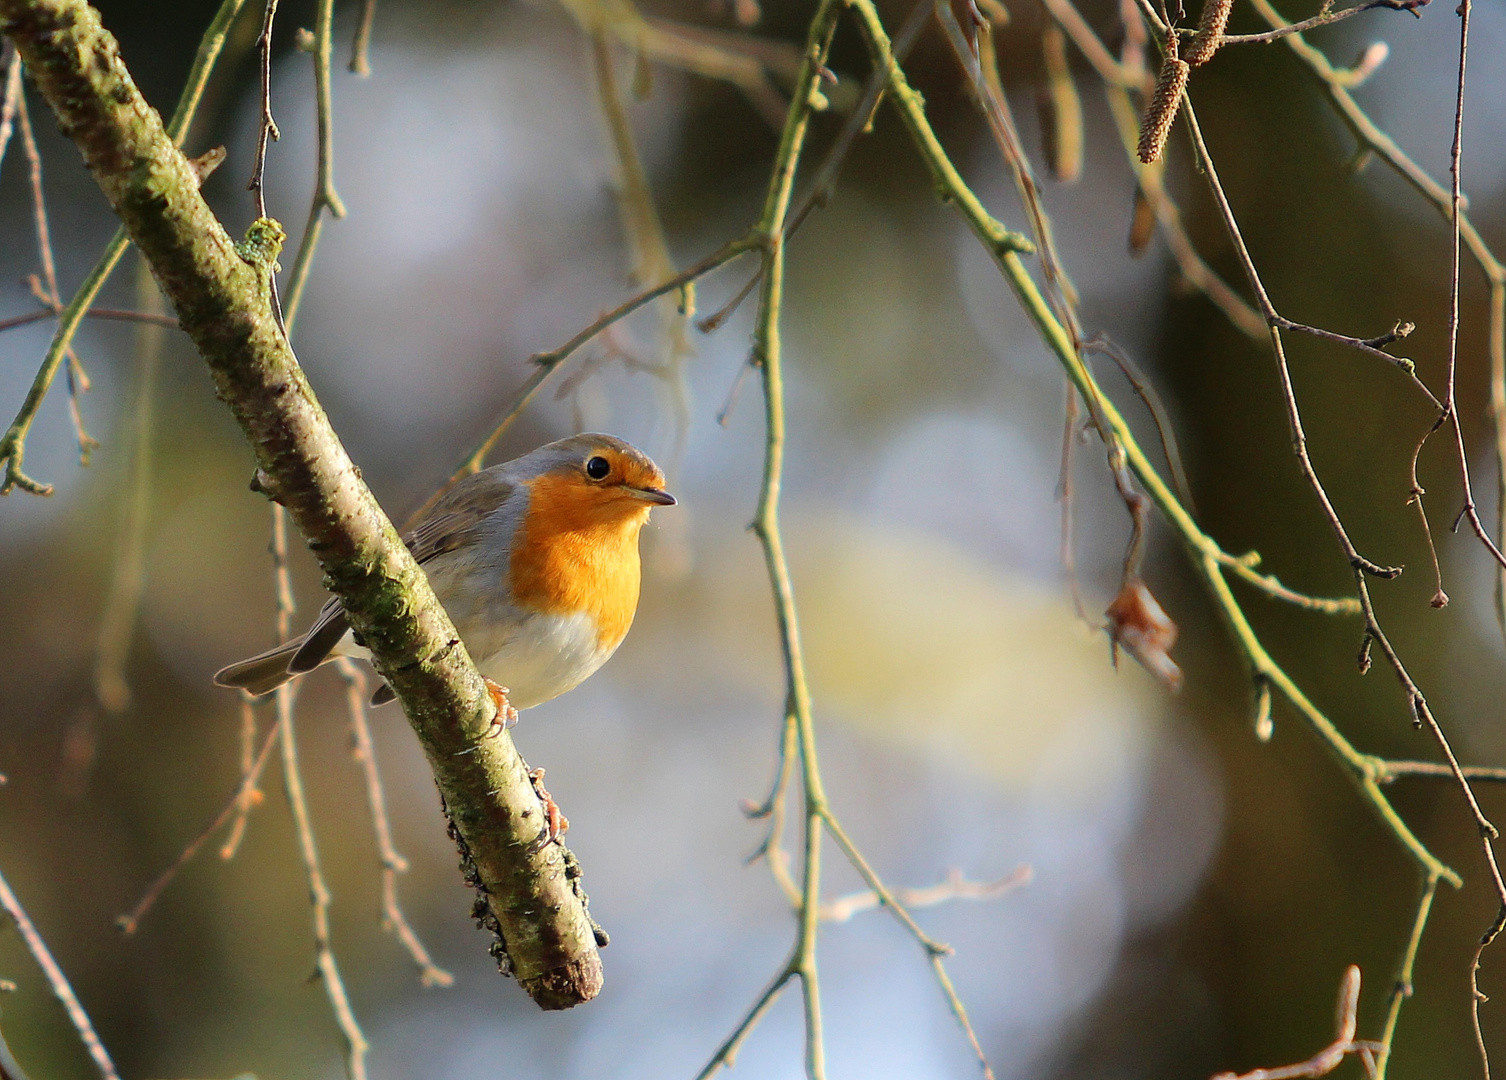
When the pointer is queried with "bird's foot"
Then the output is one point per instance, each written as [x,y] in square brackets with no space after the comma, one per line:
[556,824]
[506,716]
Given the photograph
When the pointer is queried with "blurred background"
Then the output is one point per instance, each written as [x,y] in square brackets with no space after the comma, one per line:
[1197,894]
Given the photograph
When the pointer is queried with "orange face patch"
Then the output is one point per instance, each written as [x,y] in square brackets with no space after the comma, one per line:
[576,550]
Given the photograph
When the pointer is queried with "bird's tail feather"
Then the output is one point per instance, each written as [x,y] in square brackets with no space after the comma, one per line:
[262,673]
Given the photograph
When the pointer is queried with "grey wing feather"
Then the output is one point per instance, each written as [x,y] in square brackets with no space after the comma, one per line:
[262,673]
[321,639]
[454,520]
[452,524]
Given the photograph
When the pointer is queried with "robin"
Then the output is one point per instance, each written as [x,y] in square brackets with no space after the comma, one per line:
[536,562]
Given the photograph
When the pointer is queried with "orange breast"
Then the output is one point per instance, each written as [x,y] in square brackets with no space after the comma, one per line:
[576,552]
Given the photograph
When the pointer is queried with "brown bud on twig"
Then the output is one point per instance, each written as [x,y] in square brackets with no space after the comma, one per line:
[1156,125]
[1210,31]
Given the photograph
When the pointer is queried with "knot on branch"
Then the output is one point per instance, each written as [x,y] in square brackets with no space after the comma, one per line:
[1004,241]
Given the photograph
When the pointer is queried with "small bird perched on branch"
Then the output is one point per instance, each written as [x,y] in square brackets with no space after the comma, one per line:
[536,562]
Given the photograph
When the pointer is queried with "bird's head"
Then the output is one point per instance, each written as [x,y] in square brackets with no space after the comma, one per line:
[594,480]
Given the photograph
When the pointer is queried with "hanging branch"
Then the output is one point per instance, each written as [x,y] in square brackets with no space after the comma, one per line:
[221,293]
[1367,771]
[798,728]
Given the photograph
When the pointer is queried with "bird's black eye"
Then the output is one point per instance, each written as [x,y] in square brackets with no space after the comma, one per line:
[598,468]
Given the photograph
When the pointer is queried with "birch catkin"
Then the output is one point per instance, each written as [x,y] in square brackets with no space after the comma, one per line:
[1156,125]
[1210,31]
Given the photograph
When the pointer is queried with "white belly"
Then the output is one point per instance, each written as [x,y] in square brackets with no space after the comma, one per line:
[537,658]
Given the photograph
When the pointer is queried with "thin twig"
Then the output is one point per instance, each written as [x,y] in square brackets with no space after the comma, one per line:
[326,966]
[153,318]
[1401,988]
[1325,19]
[771,848]
[360,45]
[131,922]
[817,815]
[954,887]
[249,797]
[1452,207]
[13,441]
[46,290]
[768,356]
[325,196]
[1396,770]
[1451,411]
[1244,568]
[11,95]
[1344,1043]
[1146,392]
[1203,551]
[824,184]
[545,364]
[266,131]
[58,982]
[393,864]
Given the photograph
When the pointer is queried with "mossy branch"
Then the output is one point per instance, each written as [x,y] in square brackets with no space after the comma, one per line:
[220,291]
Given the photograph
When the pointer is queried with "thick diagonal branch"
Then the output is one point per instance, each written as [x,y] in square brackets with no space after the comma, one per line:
[221,294]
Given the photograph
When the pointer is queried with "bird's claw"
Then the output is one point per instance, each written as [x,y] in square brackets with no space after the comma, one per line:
[506,717]
[555,823]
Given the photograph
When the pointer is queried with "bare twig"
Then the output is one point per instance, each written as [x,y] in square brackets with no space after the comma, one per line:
[1336,83]
[58,982]
[131,922]
[817,816]
[325,196]
[11,95]
[954,887]
[360,45]
[152,318]
[1324,19]
[13,441]
[824,184]
[1244,568]
[1146,392]
[326,966]
[1395,770]
[1326,1060]
[46,290]
[249,797]
[771,848]
[545,364]
[1203,551]
[393,864]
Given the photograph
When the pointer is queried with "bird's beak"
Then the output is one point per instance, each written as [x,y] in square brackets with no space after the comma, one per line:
[654,495]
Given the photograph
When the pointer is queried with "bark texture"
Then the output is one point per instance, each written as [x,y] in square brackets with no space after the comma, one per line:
[220,290]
